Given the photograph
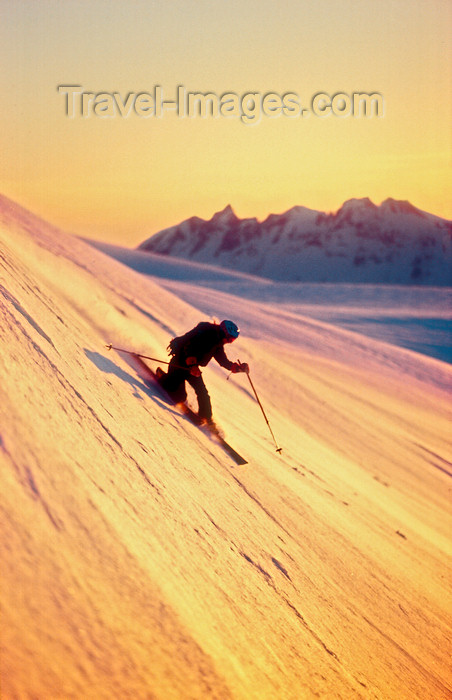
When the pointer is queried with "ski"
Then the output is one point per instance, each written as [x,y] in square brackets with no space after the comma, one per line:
[149,376]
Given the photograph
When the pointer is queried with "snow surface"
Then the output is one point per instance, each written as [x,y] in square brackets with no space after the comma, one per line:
[414,317]
[139,562]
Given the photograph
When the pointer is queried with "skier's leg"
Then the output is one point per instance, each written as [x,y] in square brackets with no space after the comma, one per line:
[204,404]
[174,383]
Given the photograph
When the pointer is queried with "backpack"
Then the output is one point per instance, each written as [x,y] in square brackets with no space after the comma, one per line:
[176,344]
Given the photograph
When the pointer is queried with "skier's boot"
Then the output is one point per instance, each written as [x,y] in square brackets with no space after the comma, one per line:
[207,422]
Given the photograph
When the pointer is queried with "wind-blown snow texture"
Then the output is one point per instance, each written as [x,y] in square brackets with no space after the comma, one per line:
[394,243]
[138,562]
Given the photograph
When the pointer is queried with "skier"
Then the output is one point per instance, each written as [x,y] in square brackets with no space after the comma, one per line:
[192,350]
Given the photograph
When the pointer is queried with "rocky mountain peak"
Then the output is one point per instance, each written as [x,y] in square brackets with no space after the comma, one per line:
[225,217]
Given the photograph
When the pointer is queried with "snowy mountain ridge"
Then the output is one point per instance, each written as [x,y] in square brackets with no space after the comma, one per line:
[393,243]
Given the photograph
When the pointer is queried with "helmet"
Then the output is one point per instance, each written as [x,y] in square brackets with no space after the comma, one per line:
[230,329]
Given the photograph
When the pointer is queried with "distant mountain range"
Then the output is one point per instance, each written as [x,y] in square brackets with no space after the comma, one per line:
[393,243]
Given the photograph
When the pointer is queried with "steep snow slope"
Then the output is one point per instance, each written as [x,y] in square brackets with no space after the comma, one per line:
[138,562]
[394,243]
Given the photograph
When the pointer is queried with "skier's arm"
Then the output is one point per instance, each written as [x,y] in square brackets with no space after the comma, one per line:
[222,360]
[233,367]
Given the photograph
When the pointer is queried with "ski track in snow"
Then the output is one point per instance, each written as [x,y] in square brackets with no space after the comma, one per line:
[139,562]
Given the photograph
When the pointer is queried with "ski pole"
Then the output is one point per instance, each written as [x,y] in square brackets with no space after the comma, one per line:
[278,449]
[145,357]
[137,354]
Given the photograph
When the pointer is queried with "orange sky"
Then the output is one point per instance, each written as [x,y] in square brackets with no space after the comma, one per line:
[122,178]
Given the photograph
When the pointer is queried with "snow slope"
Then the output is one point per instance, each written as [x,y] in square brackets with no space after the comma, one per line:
[415,317]
[394,243]
[138,562]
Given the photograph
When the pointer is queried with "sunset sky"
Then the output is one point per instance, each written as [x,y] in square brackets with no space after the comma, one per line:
[121,178]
